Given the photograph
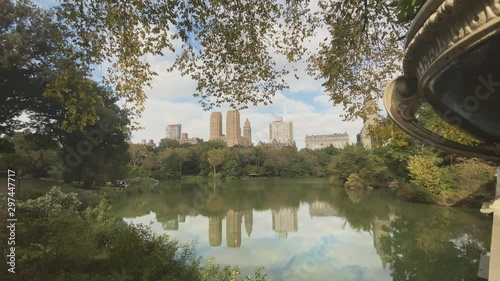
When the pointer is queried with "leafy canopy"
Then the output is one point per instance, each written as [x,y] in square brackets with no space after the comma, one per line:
[228,48]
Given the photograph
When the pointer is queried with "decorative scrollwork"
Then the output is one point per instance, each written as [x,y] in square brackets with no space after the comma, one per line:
[452,22]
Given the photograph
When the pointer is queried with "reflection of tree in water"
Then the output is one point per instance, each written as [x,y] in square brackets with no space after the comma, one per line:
[430,243]
[417,242]
[367,206]
[168,222]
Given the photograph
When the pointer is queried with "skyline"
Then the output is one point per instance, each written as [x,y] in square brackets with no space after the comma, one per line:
[265,140]
[199,124]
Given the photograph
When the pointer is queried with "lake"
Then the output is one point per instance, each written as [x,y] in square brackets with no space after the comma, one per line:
[303,229]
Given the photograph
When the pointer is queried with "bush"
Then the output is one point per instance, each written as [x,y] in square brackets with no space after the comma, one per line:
[59,240]
[365,167]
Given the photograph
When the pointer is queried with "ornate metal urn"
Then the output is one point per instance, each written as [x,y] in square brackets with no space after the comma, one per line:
[452,62]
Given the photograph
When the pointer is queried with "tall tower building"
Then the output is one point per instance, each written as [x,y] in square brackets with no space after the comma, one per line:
[215,125]
[215,231]
[281,131]
[247,133]
[285,221]
[174,131]
[233,131]
[233,229]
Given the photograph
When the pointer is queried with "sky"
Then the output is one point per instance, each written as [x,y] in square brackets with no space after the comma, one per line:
[170,101]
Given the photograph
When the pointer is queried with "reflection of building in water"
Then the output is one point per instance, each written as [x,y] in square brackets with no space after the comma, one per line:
[284,221]
[248,221]
[181,218]
[322,209]
[381,228]
[233,228]
[215,231]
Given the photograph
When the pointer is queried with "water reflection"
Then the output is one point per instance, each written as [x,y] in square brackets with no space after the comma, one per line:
[350,235]
[285,221]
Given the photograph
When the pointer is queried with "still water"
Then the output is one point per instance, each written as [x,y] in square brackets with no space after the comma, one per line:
[307,230]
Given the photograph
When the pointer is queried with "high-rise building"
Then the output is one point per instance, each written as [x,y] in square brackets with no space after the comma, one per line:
[215,125]
[215,231]
[285,221]
[247,133]
[233,229]
[174,131]
[233,130]
[281,131]
[321,141]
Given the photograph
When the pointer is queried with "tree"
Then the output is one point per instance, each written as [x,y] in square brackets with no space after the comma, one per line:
[183,155]
[238,39]
[99,153]
[138,153]
[34,154]
[168,143]
[358,167]
[38,65]
[26,51]
[216,158]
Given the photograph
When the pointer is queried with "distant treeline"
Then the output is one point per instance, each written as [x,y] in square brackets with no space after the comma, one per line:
[171,160]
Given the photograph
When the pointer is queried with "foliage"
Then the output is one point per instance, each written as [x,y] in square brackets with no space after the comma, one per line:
[476,180]
[215,158]
[426,173]
[168,143]
[168,163]
[65,239]
[247,41]
[27,54]
[357,167]
[360,53]
[34,154]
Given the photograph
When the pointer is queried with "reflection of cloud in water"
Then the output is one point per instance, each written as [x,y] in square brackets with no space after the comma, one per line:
[324,248]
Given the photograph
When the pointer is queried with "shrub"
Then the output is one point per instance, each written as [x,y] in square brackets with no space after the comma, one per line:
[61,241]
[356,159]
